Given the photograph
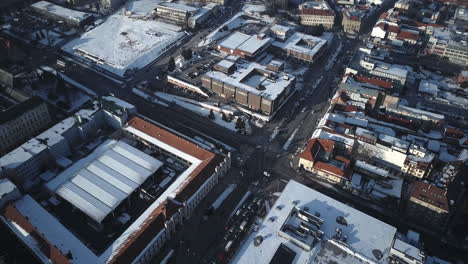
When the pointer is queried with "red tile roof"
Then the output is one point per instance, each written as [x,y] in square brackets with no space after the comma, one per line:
[48,249]
[317,12]
[420,24]
[314,146]
[454,133]
[328,168]
[346,161]
[430,194]
[407,35]
[155,222]
[375,81]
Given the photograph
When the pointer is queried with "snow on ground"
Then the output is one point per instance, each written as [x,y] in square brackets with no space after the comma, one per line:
[332,60]
[147,97]
[197,108]
[274,133]
[135,42]
[290,139]
[235,22]
[142,7]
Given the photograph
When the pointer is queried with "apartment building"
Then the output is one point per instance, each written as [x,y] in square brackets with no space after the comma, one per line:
[351,22]
[318,158]
[418,166]
[428,204]
[314,13]
[22,121]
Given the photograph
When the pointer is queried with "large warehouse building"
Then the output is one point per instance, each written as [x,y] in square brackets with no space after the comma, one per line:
[305,226]
[120,202]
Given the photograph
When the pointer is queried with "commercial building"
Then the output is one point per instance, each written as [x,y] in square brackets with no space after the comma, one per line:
[59,13]
[22,121]
[428,204]
[280,32]
[175,12]
[303,48]
[314,13]
[243,45]
[136,42]
[386,70]
[52,147]
[305,226]
[119,203]
[444,43]
[250,84]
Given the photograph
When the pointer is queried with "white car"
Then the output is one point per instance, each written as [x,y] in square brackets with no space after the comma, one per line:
[266,173]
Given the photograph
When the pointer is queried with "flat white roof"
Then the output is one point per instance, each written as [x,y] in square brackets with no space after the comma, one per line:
[320,133]
[241,78]
[226,63]
[234,40]
[21,154]
[279,28]
[294,43]
[135,42]
[61,11]
[6,186]
[365,234]
[98,183]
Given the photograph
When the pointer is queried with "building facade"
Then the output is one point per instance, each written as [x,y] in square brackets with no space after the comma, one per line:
[176,13]
[351,23]
[251,85]
[21,122]
[418,167]
[455,52]
[314,13]
[429,205]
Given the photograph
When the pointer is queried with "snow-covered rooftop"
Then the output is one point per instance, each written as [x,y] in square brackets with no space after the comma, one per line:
[244,42]
[302,43]
[428,87]
[279,28]
[61,11]
[53,230]
[226,64]
[391,70]
[408,250]
[323,134]
[21,154]
[246,78]
[98,183]
[135,42]
[371,168]
[366,236]
[178,7]
[6,186]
